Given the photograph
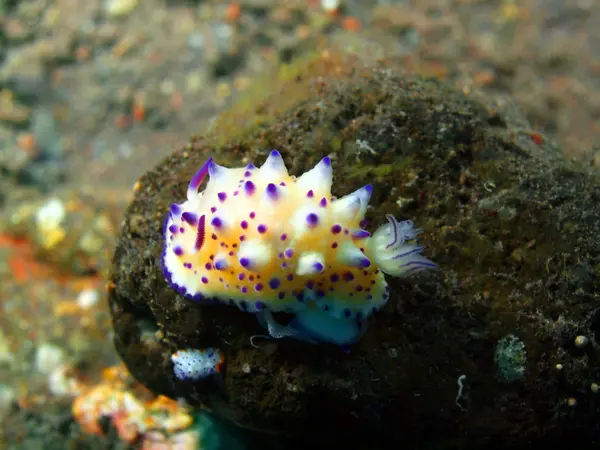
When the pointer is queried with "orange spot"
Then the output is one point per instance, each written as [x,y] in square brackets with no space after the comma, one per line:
[25,267]
[232,12]
[537,138]
[484,78]
[138,112]
[351,24]
[27,143]
[66,308]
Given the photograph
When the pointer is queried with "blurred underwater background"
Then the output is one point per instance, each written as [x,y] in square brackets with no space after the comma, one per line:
[104,103]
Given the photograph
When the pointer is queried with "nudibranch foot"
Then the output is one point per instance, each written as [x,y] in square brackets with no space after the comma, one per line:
[275,329]
[314,326]
[321,327]
[267,242]
[196,364]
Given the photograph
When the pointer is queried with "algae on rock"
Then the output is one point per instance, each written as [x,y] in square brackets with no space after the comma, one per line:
[511,223]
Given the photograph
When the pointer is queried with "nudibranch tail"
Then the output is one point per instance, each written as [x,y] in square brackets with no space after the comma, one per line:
[265,241]
[393,254]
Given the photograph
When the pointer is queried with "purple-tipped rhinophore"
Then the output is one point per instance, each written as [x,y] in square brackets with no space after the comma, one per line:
[201,232]
[197,179]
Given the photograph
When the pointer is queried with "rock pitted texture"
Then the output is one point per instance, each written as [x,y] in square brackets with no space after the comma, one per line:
[512,224]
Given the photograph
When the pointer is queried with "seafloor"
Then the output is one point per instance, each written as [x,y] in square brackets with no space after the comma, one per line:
[94,93]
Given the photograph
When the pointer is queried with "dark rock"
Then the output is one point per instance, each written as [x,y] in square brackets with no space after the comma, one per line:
[512,224]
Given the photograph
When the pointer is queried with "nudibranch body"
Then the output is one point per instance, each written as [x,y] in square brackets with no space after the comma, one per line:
[195,364]
[266,241]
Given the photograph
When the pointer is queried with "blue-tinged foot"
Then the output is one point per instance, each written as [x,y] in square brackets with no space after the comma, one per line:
[314,326]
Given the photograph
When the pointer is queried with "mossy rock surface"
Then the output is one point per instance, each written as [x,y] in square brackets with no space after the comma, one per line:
[513,226]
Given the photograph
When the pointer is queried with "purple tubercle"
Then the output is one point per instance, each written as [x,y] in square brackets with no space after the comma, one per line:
[326,161]
[250,166]
[323,202]
[336,229]
[361,234]
[249,187]
[222,196]
[258,287]
[204,280]
[274,283]
[220,264]
[216,222]
[201,232]
[199,176]
[245,262]
[173,229]
[175,209]
[289,253]
[312,220]
[247,174]
[319,267]
[178,251]
[190,218]
[252,214]
[262,228]
[283,237]
[272,192]
[310,194]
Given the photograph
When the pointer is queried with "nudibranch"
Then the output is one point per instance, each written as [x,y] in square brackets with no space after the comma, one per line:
[195,364]
[266,241]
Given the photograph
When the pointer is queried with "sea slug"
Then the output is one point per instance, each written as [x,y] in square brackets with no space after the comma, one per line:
[266,241]
[194,364]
